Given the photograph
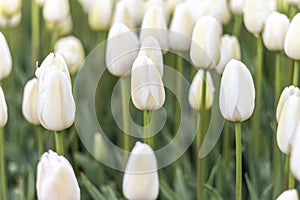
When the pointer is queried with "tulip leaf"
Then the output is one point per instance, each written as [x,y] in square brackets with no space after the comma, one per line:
[166,191]
[109,193]
[214,194]
[253,195]
[30,183]
[266,194]
[180,187]
[92,190]
[214,171]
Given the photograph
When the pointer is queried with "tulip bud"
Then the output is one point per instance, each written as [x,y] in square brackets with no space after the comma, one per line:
[86,5]
[295,153]
[136,10]
[171,5]
[122,15]
[237,93]
[205,47]
[119,58]
[29,104]
[230,49]
[100,14]
[197,9]
[219,10]
[288,195]
[56,11]
[181,28]
[292,39]
[159,3]
[9,8]
[237,6]
[56,178]
[275,30]
[293,2]
[6,60]
[3,109]
[140,180]
[154,24]
[150,48]
[195,94]
[12,21]
[72,50]
[147,89]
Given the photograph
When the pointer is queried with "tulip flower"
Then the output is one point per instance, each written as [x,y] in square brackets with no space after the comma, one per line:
[195,94]
[12,21]
[205,44]
[86,5]
[230,49]
[181,28]
[161,4]
[140,180]
[56,178]
[147,89]
[119,58]
[56,11]
[293,2]
[275,30]
[9,8]
[288,195]
[136,10]
[295,153]
[100,14]
[72,51]
[29,104]
[292,40]
[122,15]
[237,6]
[6,60]
[3,121]
[3,109]
[219,10]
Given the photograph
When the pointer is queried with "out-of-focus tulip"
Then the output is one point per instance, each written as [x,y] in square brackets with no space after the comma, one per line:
[86,5]
[292,39]
[136,10]
[237,6]
[56,178]
[288,195]
[10,21]
[237,93]
[154,24]
[119,58]
[9,8]
[150,47]
[140,180]
[195,93]
[122,15]
[56,106]
[293,2]
[147,89]
[275,30]
[29,104]
[295,153]
[3,109]
[181,28]
[100,15]
[219,10]
[161,4]
[56,11]
[171,5]
[205,44]
[5,58]
[288,117]
[230,49]
[71,49]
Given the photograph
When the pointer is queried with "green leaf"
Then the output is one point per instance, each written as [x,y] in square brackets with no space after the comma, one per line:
[214,171]
[180,188]
[267,192]
[252,192]
[213,192]
[109,193]
[92,190]
[166,192]
[30,183]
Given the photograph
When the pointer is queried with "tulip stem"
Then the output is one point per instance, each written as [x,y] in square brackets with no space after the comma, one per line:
[39,140]
[54,37]
[179,92]
[296,74]
[59,143]
[3,166]
[226,144]
[289,181]
[238,163]
[125,112]
[237,25]
[147,138]
[35,25]
[277,78]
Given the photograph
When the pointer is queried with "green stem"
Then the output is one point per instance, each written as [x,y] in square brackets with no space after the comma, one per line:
[147,139]
[59,143]
[125,112]
[238,163]
[289,181]
[54,37]
[226,144]
[237,25]
[40,140]
[35,25]
[293,11]
[296,74]
[277,78]
[179,92]
[3,166]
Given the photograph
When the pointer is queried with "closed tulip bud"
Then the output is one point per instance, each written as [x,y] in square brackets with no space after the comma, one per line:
[205,44]
[195,93]
[71,49]
[197,9]
[100,15]
[154,24]
[56,178]
[119,58]
[219,10]
[292,39]
[12,21]
[275,30]
[9,8]
[230,49]
[237,93]
[29,104]
[122,15]
[140,180]
[6,60]
[181,28]
[3,109]
[237,6]
[150,48]
[86,5]
[293,2]
[147,89]
[288,195]
[295,153]
[136,10]
[56,11]
[171,5]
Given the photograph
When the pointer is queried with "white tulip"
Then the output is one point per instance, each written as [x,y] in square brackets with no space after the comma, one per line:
[275,30]
[288,195]
[154,24]
[230,49]
[140,180]
[56,178]
[292,39]
[29,104]
[56,11]
[5,58]
[136,10]
[9,8]
[171,5]
[237,6]
[3,109]
[181,28]
[122,15]
[293,2]
[195,93]
[72,50]
[237,93]
[86,5]
[147,89]
[12,21]
[205,44]
[119,58]
[219,10]
[150,47]
[100,15]
[197,9]
[295,153]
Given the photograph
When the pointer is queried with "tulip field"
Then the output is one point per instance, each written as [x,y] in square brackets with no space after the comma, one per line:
[149,99]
